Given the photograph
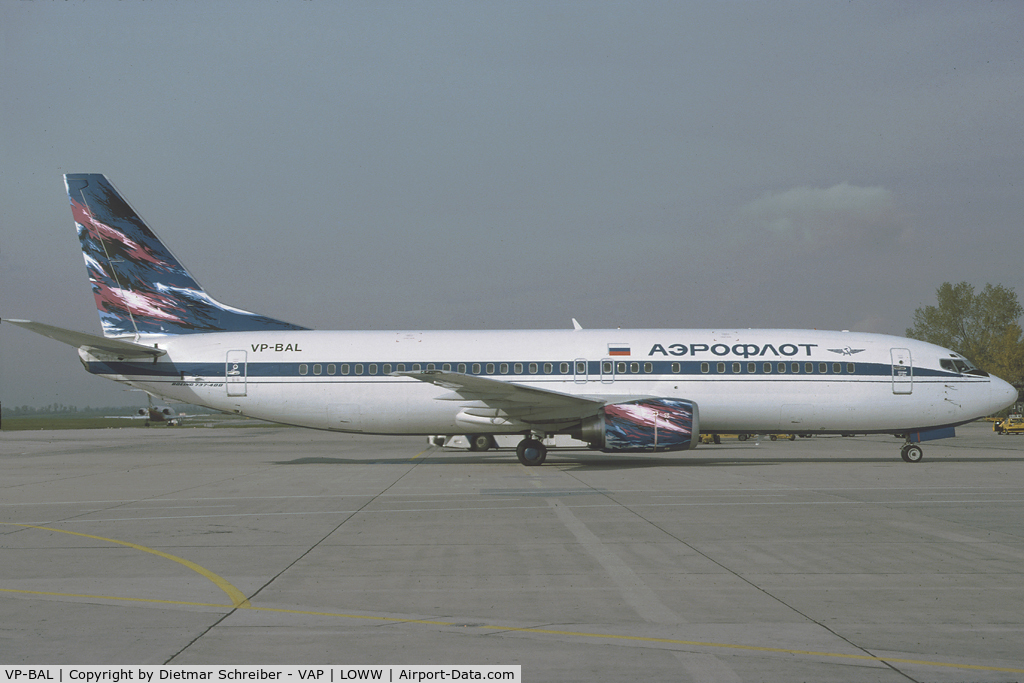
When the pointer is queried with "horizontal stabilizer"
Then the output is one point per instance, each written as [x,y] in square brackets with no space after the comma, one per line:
[117,347]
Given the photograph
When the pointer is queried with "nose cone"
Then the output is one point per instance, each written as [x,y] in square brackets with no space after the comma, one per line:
[1003,395]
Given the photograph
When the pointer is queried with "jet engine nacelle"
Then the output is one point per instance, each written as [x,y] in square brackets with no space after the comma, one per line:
[647,424]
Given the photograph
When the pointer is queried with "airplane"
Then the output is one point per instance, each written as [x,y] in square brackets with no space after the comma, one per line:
[160,414]
[620,391]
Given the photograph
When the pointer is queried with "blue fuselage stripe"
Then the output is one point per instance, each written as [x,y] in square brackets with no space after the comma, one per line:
[661,370]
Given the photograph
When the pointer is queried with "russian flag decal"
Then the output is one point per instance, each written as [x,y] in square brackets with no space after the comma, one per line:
[618,349]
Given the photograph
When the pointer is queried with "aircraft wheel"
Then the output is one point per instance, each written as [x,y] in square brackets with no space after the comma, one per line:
[717,438]
[911,453]
[792,437]
[531,452]
[773,437]
[479,442]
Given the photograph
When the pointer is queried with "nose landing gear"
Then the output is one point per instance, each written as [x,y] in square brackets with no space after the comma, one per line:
[911,452]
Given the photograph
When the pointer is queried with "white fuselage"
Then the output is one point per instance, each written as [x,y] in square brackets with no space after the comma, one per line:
[803,381]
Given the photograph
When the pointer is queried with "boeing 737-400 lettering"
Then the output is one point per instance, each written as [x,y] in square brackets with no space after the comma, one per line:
[618,390]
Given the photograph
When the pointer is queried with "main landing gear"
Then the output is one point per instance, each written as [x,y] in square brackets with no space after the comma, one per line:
[480,442]
[531,452]
[911,452]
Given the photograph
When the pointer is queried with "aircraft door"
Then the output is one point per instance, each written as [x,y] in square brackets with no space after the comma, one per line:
[579,367]
[902,371]
[235,373]
[607,370]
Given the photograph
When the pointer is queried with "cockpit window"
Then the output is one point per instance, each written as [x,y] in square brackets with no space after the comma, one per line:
[962,366]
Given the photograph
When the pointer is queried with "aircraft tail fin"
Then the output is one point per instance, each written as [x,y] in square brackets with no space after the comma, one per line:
[139,285]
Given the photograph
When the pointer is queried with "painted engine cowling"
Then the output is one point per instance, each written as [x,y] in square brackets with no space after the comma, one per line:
[648,424]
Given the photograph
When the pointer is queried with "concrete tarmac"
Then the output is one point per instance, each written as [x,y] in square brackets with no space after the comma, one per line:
[824,559]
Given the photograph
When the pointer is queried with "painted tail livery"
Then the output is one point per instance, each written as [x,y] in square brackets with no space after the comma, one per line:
[618,390]
[140,287]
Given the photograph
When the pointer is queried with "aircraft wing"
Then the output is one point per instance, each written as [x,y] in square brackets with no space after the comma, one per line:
[514,401]
[116,347]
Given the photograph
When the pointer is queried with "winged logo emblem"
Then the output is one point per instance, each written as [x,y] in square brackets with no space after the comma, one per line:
[846,351]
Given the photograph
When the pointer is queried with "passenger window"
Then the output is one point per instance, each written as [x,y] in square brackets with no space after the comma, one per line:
[372,370]
[676,368]
[548,368]
[533,368]
[704,367]
[476,368]
[387,368]
[648,367]
[518,368]
[400,367]
[563,368]
[720,367]
[808,368]
[751,368]
[431,366]
[303,369]
[620,368]
[416,367]
[782,367]
[490,368]
[317,369]
[344,369]
[767,368]
[795,367]
[837,368]
[634,367]
[462,368]
[504,368]
[823,368]
[331,369]
[359,369]
[447,367]
[736,368]
[581,368]
[606,367]
[851,368]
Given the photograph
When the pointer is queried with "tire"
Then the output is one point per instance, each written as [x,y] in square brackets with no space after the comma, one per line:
[742,437]
[479,442]
[531,452]
[912,453]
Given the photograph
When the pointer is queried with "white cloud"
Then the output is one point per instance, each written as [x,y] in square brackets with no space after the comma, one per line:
[841,213]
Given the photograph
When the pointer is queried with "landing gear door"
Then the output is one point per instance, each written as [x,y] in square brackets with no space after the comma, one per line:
[902,371]
[235,373]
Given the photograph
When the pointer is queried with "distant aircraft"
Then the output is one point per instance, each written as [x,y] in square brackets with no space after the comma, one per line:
[154,413]
[618,390]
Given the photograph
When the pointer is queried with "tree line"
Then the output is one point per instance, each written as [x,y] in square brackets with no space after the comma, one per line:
[983,327]
[61,409]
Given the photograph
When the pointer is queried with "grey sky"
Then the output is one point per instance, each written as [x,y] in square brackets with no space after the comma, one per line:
[514,165]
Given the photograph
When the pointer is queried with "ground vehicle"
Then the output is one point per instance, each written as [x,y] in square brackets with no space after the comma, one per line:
[717,438]
[1013,424]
